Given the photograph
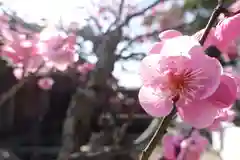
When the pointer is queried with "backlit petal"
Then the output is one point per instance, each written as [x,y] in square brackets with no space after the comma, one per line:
[226,93]
[154,103]
[199,114]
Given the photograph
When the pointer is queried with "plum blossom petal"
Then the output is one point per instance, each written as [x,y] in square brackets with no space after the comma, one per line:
[178,147]
[236,77]
[210,73]
[154,103]
[225,114]
[210,38]
[182,46]
[199,114]
[57,47]
[216,125]
[232,51]
[148,68]
[192,147]
[227,31]
[45,83]
[168,146]
[34,62]
[200,141]
[18,73]
[156,48]
[171,145]
[201,80]
[214,38]
[222,35]
[85,68]
[185,46]
[226,93]
[168,34]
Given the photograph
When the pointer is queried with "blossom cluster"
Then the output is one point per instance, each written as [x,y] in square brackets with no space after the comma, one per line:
[179,147]
[30,52]
[177,70]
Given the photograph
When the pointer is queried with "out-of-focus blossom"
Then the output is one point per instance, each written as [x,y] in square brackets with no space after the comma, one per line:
[85,68]
[18,73]
[45,83]
[235,74]
[225,114]
[110,8]
[224,35]
[177,147]
[18,50]
[235,6]
[171,146]
[166,19]
[193,147]
[230,52]
[58,48]
[73,27]
[158,7]
[185,72]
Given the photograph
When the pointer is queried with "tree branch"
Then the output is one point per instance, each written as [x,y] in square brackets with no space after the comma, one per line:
[82,98]
[13,90]
[156,32]
[217,11]
[68,131]
[129,17]
[161,130]
[118,17]
[133,56]
[96,22]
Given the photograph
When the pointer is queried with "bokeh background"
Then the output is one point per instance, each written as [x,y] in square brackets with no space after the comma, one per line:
[97,115]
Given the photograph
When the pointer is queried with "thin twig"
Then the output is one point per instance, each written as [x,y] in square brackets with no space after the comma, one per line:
[118,17]
[129,17]
[217,11]
[130,42]
[161,130]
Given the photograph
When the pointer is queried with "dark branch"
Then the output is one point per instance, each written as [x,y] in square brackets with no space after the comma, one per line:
[121,8]
[161,130]
[118,17]
[95,20]
[132,56]
[151,34]
[217,11]
[129,17]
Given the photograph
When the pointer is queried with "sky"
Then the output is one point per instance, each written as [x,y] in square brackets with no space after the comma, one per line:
[52,10]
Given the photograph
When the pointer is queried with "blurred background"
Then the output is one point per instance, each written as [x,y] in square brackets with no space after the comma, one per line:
[94,114]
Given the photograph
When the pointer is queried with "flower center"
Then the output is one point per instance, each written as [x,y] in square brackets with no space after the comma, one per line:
[184,83]
[176,81]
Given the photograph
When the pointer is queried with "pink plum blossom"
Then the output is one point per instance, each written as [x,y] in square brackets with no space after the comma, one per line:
[185,72]
[225,114]
[230,52]
[234,74]
[223,35]
[193,147]
[19,51]
[170,143]
[45,83]
[178,147]
[85,68]
[58,48]
[18,73]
